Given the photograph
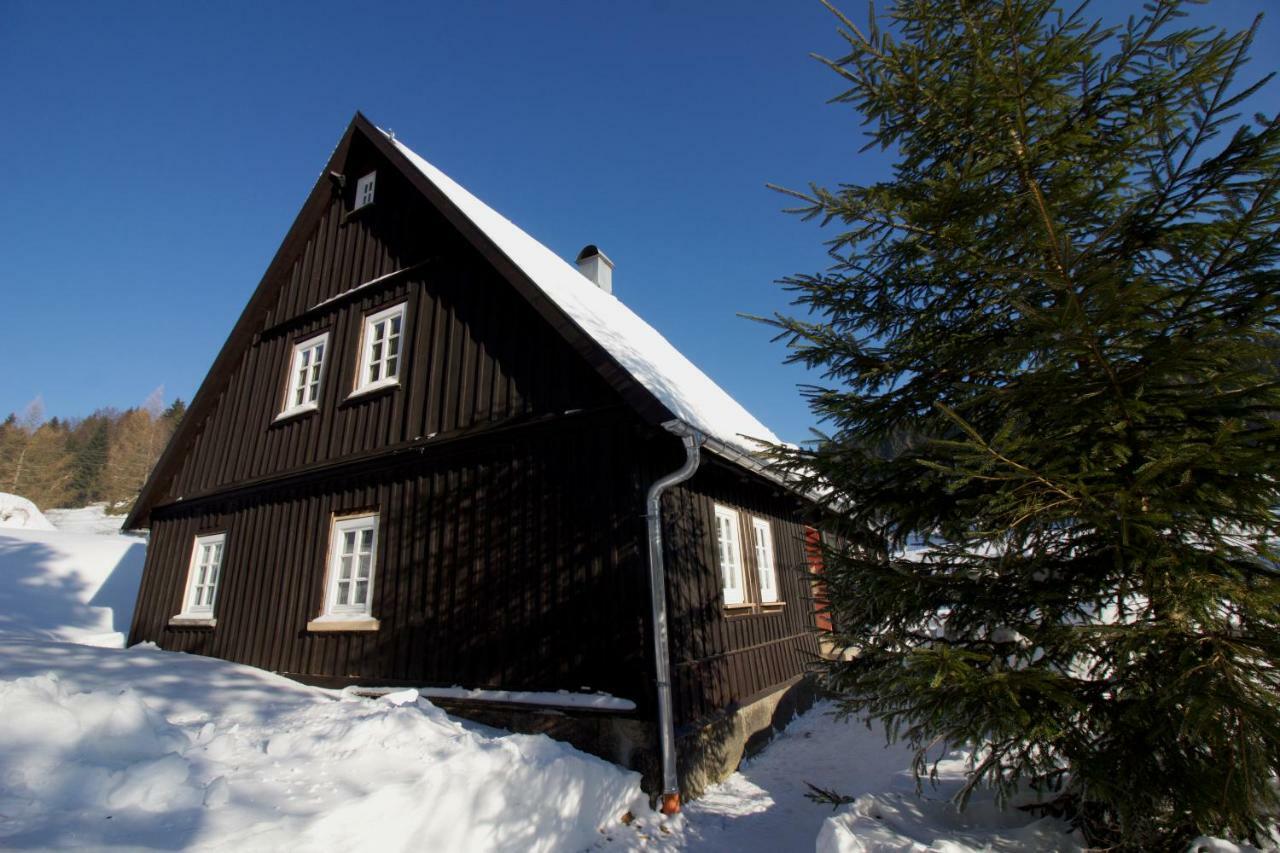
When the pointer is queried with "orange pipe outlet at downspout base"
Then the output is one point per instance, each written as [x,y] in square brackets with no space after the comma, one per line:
[670,804]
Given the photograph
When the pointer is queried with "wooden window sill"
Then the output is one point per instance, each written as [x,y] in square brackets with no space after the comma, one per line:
[756,608]
[333,623]
[296,413]
[192,622]
[368,391]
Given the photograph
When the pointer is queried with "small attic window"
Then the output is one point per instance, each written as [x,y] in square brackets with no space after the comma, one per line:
[364,190]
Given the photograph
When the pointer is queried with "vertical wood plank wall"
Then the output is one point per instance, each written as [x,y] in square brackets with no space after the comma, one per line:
[725,655]
[474,351]
[512,564]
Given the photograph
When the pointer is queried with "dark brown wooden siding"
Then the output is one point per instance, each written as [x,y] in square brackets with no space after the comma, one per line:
[514,563]
[721,656]
[507,472]
[473,351]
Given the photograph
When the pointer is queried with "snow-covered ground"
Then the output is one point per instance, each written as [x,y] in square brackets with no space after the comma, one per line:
[140,748]
[77,587]
[86,519]
[764,807]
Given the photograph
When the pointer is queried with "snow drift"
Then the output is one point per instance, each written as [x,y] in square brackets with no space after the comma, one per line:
[144,748]
[21,514]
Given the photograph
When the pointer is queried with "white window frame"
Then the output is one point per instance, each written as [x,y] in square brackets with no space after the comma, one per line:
[366,187]
[729,555]
[368,344]
[203,612]
[342,525]
[315,379]
[766,565]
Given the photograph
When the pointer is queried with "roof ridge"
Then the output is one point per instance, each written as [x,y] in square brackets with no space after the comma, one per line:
[679,384]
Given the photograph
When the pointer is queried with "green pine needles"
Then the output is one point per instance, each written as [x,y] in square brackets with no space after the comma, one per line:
[1050,344]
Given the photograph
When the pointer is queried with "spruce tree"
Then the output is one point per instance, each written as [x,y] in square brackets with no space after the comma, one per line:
[88,446]
[1050,343]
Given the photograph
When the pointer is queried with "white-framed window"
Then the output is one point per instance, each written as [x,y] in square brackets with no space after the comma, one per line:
[202,576]
[364,190]
[304,374]
[762,534]
[380,349]
[352,551]
[729,549]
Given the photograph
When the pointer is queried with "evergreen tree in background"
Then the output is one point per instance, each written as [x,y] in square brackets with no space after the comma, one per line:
[1050,340]
[87,446]
[174,413]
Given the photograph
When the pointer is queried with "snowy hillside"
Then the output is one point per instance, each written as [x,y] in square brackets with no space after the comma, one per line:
[65,586]
[86,519]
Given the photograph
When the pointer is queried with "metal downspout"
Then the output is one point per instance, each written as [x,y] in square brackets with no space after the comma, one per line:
[693,441]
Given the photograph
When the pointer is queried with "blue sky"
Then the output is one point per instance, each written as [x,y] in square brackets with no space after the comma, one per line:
[159,152]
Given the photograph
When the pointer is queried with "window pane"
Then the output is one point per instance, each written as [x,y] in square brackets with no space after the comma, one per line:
[202,582]
[351,567]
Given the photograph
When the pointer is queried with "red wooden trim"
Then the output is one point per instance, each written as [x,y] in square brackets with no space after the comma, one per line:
[813,556]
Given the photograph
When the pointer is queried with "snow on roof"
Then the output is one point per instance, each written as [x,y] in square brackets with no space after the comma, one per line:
[650,358]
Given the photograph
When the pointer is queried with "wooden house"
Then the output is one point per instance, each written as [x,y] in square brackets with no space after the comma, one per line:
[423,457]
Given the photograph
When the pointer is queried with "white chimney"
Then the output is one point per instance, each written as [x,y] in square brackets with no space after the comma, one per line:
[597,267]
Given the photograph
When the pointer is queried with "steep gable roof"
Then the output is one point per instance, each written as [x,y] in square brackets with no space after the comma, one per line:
[648,372]
[687,392]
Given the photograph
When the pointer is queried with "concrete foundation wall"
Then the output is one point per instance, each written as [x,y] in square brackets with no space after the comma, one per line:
[711,752]
[707,752]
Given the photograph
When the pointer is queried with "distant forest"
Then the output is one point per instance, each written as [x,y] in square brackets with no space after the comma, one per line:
[105,457]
